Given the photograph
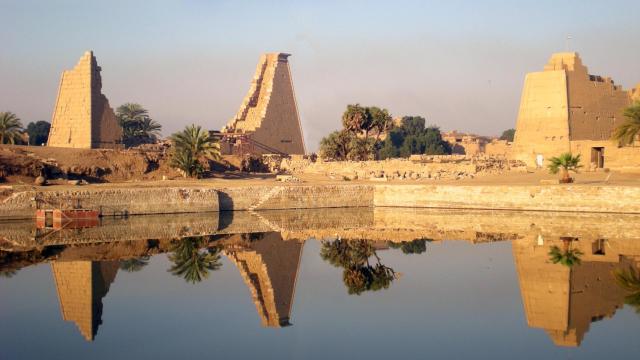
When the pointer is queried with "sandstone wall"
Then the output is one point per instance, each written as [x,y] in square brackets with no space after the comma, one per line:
[392,168]
[295,197]
[116,201]
[621,158]
[498,148]
[576,198]
[82,117]
[542,126]
[619,199]
[596,104]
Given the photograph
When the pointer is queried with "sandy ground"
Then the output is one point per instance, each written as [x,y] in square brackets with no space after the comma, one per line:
[130,165]
[248,180]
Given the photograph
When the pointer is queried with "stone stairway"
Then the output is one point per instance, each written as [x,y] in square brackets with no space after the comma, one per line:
[268,195]
[274,227]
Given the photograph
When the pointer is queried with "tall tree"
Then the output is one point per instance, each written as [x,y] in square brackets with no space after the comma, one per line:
[628,131]
[10,128]
[357,119]
[413,138]
[137,127]
[192,145]
[381,120]
[38,132]
[336,145]
[508,135]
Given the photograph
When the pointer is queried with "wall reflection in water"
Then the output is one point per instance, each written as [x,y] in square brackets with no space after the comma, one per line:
[573,269]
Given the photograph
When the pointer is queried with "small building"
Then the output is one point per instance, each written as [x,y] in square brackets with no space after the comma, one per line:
[465,144]
[565,109]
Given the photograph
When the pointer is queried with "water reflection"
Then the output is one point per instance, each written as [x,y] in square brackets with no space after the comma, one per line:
[191,261]
[354,257]
[565,300]
[269,267]
[570,275]
[81,285]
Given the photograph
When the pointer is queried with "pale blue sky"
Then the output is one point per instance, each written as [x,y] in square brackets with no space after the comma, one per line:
[460,64]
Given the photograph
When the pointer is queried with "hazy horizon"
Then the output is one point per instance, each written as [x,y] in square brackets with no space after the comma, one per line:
[461,65]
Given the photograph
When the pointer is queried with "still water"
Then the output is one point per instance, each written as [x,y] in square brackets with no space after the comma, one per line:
[323,284]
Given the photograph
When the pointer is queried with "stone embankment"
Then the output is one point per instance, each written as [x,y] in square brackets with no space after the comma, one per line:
[164,200]
[150,200]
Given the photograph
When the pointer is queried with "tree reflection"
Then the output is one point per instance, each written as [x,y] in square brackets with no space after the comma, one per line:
[134,264]
[566,256]
[8,273]
[358,275]
[192,261]
[417,246]
[630,281]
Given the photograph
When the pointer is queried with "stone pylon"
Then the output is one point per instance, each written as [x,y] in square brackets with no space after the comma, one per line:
[564,104]
[268,118]
[82,117]
[81,285]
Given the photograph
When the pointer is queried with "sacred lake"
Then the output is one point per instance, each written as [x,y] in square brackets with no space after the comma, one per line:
[320,283]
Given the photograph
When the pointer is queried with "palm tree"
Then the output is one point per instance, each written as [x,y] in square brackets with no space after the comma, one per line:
[150,128]
[630,281]
[137,127]
[10,128]
[629,130]
[356,119]
[134,264]
[191,145]
[567,256]
[184,160]
[381,120]
[191,262]
[565,163]
[358,274]
[197,142]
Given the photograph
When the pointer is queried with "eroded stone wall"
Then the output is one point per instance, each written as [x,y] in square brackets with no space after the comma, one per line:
[82,117]
[418,167]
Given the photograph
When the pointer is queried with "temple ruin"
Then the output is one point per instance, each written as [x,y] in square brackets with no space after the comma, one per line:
[267,121]
[565,109]
[81,285]
[82,117]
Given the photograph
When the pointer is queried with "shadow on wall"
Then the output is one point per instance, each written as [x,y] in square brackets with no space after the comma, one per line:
[225,219]
[225,202]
